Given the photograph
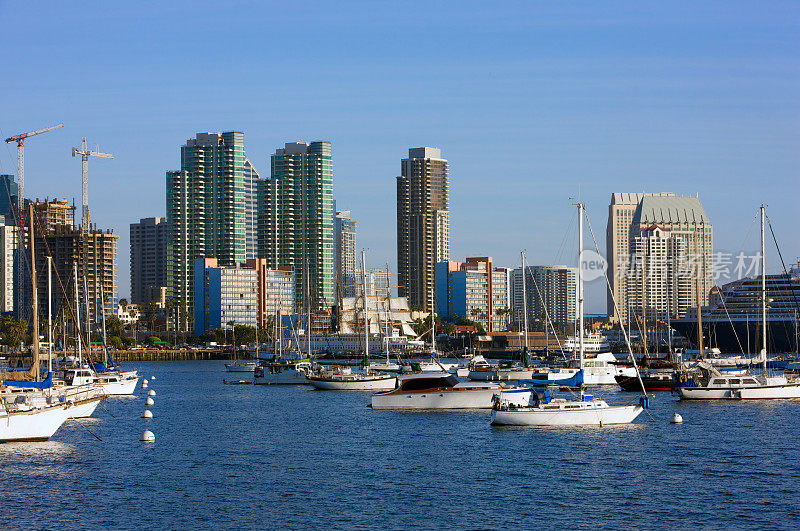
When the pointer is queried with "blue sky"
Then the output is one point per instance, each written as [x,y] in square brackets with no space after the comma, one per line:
[533,103]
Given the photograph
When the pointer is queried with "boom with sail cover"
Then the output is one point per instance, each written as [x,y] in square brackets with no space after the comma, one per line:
[575,380]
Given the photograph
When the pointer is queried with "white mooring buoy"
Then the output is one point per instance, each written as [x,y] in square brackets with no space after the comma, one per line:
[151,393]
[144,384]
[676,419]
[147,414]
[153,378]
[147,436]
[149,401]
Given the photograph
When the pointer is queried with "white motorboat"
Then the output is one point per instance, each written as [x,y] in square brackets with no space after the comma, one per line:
[444,391]
[291,372]
[587,410]
[241,366]
[336,379]
[583,410]
[21,419]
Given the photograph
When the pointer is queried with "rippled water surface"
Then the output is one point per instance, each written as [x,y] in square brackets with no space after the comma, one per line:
[243,456]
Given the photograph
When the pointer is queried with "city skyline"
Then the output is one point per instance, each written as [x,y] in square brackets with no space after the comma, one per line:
[611,100]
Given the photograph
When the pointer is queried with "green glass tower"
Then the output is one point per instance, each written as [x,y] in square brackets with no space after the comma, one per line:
[206,203]
[295,222]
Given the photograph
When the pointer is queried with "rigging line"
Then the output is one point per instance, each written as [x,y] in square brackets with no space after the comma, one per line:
[567,235]
[87,429]
[791,286]
[722,298]
[616,308]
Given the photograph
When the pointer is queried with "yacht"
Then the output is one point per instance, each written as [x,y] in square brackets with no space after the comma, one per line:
[291,372]
[444,391]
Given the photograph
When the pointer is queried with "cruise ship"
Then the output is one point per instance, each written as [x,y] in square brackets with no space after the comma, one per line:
[735,326]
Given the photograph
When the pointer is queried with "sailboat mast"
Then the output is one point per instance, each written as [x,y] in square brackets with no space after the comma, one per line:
[50,314]
[34,286]
[580,281]
[77,316]
[524,301]
[88,322]
[669,316]
[364,293]
[388,308]
[697,295]
[103,317]
[308,306]
[763,295]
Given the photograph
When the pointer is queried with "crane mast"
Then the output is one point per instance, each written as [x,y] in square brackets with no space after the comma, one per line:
[20,140]
[85,153]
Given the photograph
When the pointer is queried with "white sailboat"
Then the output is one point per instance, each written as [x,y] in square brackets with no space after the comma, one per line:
[27,411]
[583,410]
[338,380]
[713,385]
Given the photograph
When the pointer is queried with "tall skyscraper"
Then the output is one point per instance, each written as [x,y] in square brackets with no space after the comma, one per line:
[251,179]
[295,220]
[423,224]
[206,209]
[550,291]
[148,240]
[660,249]
[344,238]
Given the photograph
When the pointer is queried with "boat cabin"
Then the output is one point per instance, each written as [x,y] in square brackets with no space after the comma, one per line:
[426,383]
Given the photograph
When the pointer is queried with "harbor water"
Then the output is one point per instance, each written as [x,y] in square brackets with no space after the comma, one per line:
[244,456]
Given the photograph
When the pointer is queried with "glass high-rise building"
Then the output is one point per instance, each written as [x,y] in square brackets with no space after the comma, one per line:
[206,209]
[295,221]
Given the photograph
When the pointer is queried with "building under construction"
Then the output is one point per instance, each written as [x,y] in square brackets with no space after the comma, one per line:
[58,236]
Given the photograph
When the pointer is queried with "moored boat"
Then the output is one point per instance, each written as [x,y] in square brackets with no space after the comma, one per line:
[444,391]
[289,372]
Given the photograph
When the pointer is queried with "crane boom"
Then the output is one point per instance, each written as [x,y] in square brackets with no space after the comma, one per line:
[22,136]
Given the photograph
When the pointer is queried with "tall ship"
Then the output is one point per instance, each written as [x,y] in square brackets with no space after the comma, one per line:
[733,325]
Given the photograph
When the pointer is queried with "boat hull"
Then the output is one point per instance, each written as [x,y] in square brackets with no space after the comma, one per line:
[631,383]
[773,392]
[373,384]
[121,387]
[34,425]
[565,417]
[449,399]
